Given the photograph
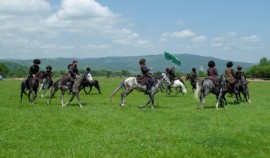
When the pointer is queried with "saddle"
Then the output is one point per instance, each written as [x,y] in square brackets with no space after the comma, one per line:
[64,80]
[142,79]
[215,80]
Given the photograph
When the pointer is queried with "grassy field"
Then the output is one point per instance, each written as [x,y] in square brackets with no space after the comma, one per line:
[176,128]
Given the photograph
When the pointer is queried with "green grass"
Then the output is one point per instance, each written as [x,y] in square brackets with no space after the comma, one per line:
[176,128]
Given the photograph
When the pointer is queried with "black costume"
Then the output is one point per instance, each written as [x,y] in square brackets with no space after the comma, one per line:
[34,69]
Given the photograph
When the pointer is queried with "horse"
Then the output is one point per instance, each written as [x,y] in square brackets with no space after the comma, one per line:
[75,88]
[192,81]
[178,85]
[241,87]
[32,87]
[90,84]
[206,86]
[229,88]
[46,82]
[131,83]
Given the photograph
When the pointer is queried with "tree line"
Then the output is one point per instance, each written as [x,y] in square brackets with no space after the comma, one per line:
[261,70]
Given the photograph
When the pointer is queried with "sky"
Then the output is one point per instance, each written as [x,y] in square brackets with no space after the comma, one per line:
[236,30]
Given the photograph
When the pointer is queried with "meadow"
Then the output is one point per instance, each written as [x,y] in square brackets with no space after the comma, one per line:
[175,128]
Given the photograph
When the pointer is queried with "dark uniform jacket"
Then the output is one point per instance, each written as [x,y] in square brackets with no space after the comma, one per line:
[146,75]
[73,71]
[213,75]
[229,75]
[34,69]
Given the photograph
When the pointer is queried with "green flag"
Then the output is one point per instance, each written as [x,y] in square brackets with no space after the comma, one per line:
[167,56]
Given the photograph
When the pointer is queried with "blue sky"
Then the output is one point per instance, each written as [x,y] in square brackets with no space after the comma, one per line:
[235,30]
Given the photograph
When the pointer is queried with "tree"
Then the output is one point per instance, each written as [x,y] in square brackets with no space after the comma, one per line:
[3,70]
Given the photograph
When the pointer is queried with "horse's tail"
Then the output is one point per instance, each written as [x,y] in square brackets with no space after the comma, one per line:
[117,89]
[183,87]
[198,89]
[22,89]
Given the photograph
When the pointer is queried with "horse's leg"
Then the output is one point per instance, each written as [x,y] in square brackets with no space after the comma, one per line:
[62,97]
[123,95]
[97,87]
[72,97]
[202,96]
[41,87]
[22,90]
[34,95]
[28,95]
[79,100]
[150,99]
[53,91]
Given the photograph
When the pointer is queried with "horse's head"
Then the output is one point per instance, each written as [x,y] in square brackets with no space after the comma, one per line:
[166,78]
[88,77]
[40,75]
[187,76]
[222,81]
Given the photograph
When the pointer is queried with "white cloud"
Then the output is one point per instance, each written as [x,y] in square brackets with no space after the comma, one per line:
[251,38]
[19,7]
[199,39]
[178,34]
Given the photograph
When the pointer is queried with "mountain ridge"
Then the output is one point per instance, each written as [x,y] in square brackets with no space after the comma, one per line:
[130,63]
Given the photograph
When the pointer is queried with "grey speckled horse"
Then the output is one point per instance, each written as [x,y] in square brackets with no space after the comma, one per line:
[206,86]
[131,83]
[75,89]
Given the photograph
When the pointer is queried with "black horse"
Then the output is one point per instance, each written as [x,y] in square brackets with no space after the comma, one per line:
[206,86]
[242,87]
[192,81]
[32,89]
[86,84]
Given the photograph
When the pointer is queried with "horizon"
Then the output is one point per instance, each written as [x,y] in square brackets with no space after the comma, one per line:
[130,56]
[227,30]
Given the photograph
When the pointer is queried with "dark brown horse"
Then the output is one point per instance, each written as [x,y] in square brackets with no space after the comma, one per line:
[32,89]
[192,81]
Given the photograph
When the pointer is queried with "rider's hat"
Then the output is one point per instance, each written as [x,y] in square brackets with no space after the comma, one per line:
[229,64]
[193,69]
[36,61]
[211,64]
[74,61]
[48,67]
[239,67]
[88,69]
[142,61]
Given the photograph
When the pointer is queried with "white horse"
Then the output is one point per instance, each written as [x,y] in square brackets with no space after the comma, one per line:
[177,85]
[131,83]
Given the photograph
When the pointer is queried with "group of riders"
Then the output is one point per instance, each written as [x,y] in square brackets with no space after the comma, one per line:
[73,73]
[233,78]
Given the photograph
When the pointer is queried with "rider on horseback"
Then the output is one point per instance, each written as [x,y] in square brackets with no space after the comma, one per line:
[212,72]
[146,74]
[33,70]
[48,73]
[240,76]
[171,72]
[73,73]
[230,76]
[194,75]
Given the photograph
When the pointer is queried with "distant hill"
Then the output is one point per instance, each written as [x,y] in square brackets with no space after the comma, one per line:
[188,61]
